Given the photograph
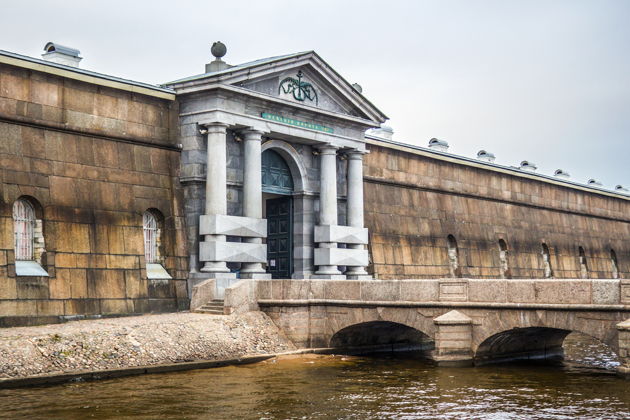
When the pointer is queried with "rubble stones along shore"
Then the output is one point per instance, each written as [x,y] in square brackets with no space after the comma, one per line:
[114,343]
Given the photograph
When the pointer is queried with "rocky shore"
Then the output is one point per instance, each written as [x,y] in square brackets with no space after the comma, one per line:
[114,343]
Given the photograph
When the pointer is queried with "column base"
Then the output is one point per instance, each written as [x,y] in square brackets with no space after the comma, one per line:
[256,276]
[215,275]
[329,276]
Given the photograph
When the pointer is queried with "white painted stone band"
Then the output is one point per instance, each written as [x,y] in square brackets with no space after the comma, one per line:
[341,256]
[219,224]
[233,252]
[341,234]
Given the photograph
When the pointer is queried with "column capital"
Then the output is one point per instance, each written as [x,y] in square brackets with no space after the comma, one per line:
[252,134]
[215,127]
[327,149]
[356,154]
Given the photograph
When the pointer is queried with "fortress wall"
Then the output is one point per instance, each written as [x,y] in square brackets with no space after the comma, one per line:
[94,159]
[413,202]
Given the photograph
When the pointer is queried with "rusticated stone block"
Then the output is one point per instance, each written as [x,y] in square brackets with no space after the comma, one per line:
[60,286]
[50,307]
[487,290]
[380,290]
[521,291]
[419,290]
[559,291]
[606,292]
[116,306]
[342,289]
[106,284]
[8,289]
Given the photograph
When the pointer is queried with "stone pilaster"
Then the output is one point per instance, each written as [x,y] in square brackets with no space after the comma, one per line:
[453,339]
[355,207]
[624,349]
[328,204]
[216,191]
[252,195]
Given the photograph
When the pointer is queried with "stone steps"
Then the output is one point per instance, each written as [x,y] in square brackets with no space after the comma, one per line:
[214,307]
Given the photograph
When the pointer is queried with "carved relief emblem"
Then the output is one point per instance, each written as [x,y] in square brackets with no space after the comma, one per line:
[300,90]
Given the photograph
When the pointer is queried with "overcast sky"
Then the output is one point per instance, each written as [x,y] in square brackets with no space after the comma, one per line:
[547,81]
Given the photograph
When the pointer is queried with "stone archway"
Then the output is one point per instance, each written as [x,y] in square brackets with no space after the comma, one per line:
[381,335]
[301,206]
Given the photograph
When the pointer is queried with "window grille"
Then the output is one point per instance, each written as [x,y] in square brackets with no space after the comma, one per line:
[24,230]
[150,238]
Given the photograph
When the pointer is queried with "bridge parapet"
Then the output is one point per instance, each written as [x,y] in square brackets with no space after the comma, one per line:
[593,293]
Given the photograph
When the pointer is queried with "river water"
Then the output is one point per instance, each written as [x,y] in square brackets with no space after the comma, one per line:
[344,387]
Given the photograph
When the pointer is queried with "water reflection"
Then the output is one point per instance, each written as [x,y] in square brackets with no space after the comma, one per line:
[324,387]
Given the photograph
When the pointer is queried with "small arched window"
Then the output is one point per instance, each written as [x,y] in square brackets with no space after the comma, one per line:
[583,264]
[151,238]
[453,256]
[24,230]
[546,255]
[503,259]
[614,263]
[152,229]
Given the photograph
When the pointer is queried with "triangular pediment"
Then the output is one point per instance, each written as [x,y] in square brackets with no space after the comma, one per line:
[304,85]
[302,79]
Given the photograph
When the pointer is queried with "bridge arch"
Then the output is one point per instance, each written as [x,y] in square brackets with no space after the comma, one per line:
[381,333]
[522,343]
[539,337]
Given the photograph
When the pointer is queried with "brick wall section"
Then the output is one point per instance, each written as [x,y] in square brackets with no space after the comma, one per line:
[413,202]
[95,158]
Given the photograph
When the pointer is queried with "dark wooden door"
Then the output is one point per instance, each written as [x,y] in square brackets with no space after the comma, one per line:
[279,234]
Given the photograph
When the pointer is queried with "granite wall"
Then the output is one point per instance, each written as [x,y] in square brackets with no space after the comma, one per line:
[413,202]
[92,158]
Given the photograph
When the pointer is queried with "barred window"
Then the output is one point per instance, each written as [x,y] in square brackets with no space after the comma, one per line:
[151,233]
[24,230]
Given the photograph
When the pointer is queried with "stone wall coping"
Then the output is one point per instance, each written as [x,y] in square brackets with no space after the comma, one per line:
[86,76]
[521,293]
[490,166]
[441,304]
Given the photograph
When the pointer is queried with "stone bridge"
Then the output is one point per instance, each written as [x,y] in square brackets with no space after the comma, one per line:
[458,321]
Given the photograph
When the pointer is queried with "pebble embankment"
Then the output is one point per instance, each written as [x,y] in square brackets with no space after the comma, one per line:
[115,343]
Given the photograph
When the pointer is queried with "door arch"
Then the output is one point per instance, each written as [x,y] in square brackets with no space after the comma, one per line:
[276,174]
[277,187]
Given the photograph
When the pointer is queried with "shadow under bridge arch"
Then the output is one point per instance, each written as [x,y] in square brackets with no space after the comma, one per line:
[381,336]
[530,343]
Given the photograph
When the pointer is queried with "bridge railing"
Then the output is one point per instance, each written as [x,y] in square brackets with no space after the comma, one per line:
[591,293]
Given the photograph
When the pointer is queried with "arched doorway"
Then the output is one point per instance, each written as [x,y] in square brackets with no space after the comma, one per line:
[277,187]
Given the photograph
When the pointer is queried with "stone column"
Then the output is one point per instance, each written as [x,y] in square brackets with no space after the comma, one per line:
[355,205]
[216,188]
[252,194]
[328,199]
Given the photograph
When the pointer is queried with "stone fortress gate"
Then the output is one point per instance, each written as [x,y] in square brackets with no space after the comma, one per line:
[282,205]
